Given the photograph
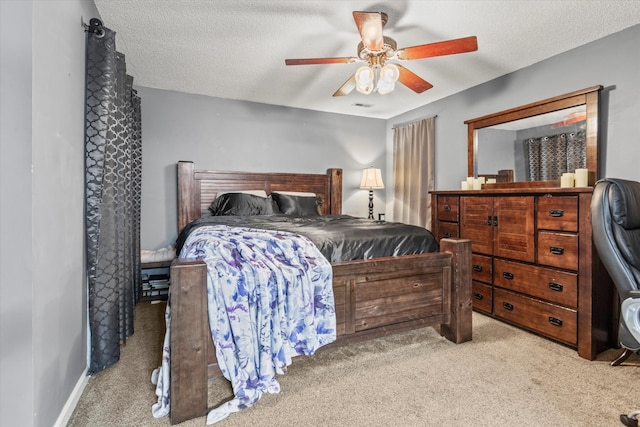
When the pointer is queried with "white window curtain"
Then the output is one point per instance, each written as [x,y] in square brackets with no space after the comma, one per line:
[413,172]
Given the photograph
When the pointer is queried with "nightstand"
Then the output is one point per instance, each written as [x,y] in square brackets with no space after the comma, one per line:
[155,280]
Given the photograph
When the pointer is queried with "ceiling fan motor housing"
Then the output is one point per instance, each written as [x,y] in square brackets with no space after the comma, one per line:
[388,50]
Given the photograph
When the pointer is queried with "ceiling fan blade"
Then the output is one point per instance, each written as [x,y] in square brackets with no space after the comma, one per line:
[412,80]
[311,61]
[449,47]
[347,87]
[370,28]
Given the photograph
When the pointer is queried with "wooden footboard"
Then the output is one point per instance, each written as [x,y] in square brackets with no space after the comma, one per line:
[373,298]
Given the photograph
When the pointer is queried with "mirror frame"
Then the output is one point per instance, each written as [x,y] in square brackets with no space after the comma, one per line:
[588,97]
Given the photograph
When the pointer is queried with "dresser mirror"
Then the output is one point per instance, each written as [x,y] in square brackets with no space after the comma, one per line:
[535,143]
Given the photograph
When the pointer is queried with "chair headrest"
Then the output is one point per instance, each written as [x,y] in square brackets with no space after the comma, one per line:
[624,202]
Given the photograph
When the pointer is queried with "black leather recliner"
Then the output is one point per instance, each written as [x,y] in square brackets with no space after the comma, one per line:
[615,219]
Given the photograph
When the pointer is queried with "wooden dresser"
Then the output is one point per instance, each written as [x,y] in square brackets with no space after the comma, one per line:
[534,264]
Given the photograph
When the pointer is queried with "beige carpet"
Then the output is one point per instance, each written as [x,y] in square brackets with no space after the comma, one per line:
[504,377]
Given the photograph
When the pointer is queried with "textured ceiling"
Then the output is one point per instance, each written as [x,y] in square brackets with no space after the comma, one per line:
[236,49]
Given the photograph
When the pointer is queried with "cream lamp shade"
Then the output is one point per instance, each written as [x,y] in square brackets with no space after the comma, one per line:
[371,179]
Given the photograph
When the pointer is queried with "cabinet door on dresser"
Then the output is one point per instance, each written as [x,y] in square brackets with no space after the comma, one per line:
[499,226]
[513,219]
[476,223]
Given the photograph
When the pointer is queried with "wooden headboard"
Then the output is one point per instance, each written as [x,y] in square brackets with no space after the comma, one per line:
[198,188]
[503,175]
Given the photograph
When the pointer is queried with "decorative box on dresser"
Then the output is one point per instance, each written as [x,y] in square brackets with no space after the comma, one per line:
[534,264]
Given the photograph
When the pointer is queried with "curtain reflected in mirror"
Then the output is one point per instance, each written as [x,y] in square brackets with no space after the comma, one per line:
[550,156]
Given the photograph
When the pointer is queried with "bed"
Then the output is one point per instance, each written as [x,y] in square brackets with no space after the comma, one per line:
[373,297]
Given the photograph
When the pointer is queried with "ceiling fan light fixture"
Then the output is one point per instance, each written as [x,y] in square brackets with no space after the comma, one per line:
[385,87]
[389,73]
[364,80]
[388,76]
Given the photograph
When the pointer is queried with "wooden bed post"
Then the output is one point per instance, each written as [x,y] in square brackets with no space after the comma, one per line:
[190,337]
[335,191]
[188,194]
[459,328]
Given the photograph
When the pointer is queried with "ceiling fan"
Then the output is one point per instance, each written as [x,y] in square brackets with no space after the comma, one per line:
[378,50]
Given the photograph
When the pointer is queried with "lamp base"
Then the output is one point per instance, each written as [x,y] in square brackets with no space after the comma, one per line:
[370,204]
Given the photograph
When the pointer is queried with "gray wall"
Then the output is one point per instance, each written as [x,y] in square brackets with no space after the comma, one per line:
[16,299]
[224,134]
[612,62]
[42,288]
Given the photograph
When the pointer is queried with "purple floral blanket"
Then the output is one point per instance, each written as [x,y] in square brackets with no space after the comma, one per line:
[270,298]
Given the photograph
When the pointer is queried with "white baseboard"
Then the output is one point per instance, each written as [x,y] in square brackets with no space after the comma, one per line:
[72,401]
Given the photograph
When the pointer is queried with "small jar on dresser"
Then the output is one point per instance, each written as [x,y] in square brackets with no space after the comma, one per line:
[534,264]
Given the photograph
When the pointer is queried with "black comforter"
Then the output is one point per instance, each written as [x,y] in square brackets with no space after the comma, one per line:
[339,237]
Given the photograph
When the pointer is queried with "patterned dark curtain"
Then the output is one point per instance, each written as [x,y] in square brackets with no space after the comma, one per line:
[113,163]
[551,156]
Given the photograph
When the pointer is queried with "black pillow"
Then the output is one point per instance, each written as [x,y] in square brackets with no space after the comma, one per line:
[297,205]
[241,204]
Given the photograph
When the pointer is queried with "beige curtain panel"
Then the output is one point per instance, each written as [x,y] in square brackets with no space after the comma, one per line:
[413,172]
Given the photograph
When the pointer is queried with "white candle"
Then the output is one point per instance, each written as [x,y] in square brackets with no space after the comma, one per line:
[476,184]
[491,181]
[465,185]
[567,180]
[582,177]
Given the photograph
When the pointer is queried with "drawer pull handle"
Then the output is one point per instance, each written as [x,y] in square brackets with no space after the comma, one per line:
[477,267]
[556,250]
[507,275]
[495,221]
[507,306]
[447,208]
[478,296]
[556,286]
[489,221]
[556,213]
[447,235]
[555,321]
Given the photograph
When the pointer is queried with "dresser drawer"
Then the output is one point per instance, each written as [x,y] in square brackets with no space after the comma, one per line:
[558,250]
[447,229]
[482,296]
[554,321]
[481,268]
[560,287]
[448,208]
[558,213]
